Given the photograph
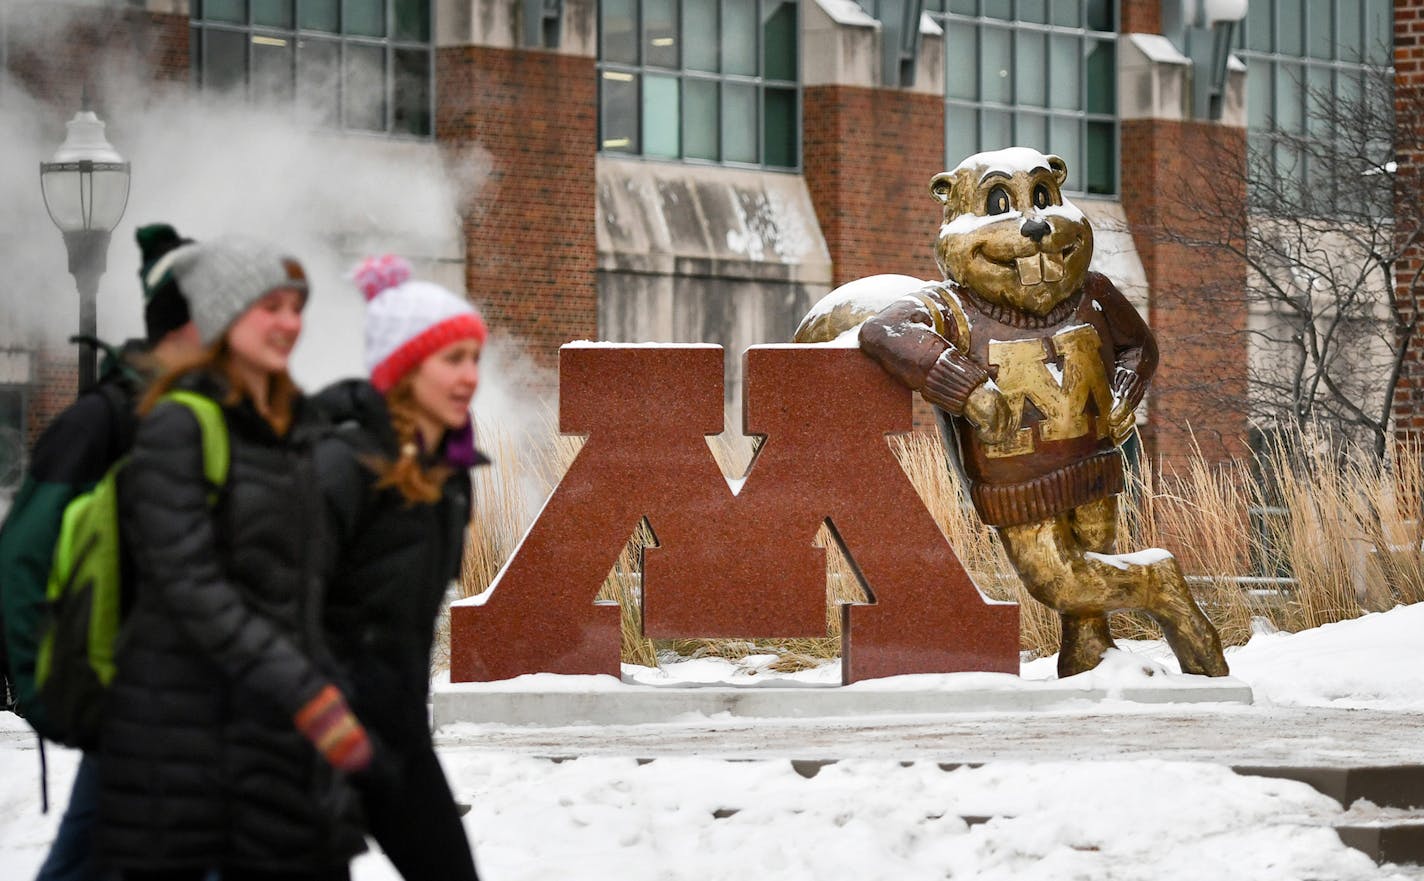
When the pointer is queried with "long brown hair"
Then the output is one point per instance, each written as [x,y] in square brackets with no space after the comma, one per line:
[406,473]
[282,392]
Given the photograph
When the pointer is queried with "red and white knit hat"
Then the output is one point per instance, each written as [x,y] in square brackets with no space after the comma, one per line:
[408,321]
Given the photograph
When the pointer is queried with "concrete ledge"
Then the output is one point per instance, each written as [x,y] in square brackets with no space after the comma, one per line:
[601,700]
[1386,786]
[1393,843]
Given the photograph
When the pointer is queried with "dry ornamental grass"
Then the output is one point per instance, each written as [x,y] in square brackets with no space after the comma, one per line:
[1304,535]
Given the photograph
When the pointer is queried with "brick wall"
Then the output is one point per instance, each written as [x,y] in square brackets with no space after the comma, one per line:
[869,155]
[1141,17]
[79,45]
[51,389]
[1198,307]
[1409,182]
[529,230]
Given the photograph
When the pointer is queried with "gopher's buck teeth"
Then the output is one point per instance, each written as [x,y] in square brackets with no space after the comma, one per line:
[1052,267]
[1039,268]
[1030,270]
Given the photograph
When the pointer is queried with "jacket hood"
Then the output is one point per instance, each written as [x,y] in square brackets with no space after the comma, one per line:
[355,403]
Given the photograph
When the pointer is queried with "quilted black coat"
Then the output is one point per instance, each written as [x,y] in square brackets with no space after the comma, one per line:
[201,764]
[397,561]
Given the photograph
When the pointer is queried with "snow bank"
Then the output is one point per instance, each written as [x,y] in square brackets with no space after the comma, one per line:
[1373,662]
[693,818]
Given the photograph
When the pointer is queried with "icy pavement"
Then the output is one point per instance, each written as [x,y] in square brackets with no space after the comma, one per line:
[1348,693]
[1229,735]
[1109,791]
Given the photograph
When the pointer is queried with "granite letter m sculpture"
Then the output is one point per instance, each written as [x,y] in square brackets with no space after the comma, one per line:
[731,564]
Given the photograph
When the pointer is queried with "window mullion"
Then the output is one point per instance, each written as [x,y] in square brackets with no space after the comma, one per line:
[388,80]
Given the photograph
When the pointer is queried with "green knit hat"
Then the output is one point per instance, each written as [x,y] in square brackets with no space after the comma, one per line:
[164,307]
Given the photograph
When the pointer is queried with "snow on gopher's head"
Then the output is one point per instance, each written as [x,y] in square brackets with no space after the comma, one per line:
[1008,233]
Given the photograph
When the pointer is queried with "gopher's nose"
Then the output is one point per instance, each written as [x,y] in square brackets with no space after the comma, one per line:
[1035,229]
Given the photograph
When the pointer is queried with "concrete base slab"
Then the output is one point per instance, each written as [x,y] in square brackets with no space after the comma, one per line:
[1389,843]
[548,700]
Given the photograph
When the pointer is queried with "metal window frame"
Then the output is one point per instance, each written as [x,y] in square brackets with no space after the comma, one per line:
[759,81]
[1082,116]
[200,27]
[1274,58]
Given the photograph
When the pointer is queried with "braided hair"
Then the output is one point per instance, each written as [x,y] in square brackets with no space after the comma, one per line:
[407,473]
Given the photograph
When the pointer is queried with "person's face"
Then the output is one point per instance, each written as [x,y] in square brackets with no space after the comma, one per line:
[445,382]
[263,337]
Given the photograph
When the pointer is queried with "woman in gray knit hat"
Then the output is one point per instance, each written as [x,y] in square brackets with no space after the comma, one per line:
[225,737]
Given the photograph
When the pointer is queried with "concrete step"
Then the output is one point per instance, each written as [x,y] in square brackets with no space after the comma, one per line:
[1387,840]
[1401,843]
[1387,786]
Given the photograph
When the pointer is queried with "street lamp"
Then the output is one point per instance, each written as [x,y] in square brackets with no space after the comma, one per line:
[86,189]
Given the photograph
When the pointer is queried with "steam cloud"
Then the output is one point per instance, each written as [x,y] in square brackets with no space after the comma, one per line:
[213,164]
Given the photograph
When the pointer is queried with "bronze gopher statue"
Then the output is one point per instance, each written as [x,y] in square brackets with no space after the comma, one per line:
[1035,365]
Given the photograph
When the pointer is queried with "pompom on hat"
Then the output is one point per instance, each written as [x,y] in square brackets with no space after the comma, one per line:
[408,321]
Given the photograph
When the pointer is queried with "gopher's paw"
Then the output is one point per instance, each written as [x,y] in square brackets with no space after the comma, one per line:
[988,411]
[1121,421]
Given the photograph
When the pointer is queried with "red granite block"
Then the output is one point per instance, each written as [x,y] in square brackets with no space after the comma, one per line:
[733,565]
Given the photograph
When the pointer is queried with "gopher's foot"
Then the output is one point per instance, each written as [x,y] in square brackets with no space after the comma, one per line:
[1085,640]
[1197,651]
[1188,631]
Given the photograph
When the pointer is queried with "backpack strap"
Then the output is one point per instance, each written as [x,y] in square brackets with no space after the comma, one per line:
[121,411]
[216,454]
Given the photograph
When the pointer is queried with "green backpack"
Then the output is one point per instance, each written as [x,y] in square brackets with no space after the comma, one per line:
[85,594]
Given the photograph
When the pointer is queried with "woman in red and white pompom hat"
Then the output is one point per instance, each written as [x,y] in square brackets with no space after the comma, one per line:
[407,321]
[396,478]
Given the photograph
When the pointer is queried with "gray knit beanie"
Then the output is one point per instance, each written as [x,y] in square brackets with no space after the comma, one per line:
[222,278]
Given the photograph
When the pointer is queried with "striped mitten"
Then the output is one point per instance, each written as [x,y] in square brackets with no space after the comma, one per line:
[328,722]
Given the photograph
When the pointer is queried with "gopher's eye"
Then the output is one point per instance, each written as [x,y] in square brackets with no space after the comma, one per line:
[1041,197]
[998,202]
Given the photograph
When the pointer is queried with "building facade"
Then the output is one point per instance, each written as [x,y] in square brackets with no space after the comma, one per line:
[705,170]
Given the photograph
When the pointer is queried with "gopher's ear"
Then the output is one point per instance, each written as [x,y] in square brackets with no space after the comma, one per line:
[1059,168]
[941,185]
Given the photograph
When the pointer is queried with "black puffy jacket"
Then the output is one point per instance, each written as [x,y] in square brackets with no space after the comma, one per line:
[394,563]
[201,763]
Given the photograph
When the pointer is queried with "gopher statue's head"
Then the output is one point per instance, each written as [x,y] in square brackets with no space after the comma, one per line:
[1008,233]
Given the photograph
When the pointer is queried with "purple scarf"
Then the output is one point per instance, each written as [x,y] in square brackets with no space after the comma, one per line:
[460,451]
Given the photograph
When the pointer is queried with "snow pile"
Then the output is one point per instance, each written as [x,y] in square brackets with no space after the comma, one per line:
[862,297]
[690,818]
[1340,665]
[704,819]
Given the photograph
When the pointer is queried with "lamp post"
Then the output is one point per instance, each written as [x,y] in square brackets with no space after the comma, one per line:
[86,189]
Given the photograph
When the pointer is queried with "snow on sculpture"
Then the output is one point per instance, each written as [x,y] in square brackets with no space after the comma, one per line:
[1036,366]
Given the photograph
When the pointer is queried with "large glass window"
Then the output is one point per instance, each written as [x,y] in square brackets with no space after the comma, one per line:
[363,65]
[700,80]
[1318,74]
[1031,73]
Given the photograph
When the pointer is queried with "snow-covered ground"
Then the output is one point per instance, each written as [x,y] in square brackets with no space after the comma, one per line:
[1108,790]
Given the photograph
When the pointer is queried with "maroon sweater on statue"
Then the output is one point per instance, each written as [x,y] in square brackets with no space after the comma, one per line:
[1059,372]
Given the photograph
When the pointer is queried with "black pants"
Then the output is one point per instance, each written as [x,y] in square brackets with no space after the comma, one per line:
[413,817]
